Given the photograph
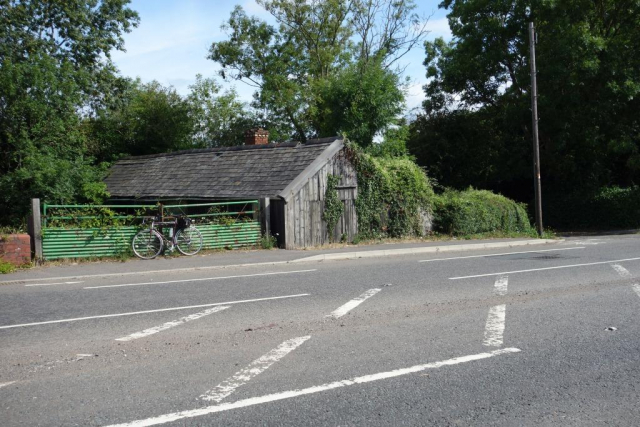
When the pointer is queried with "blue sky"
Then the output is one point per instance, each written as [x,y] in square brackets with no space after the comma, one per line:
[171,43]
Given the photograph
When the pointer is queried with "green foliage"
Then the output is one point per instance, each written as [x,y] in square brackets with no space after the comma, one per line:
[327,66]
[478,211]
[6,267]
[476,127]
[333,207]
[54,68]
[219,119]
[358,101]
[148,119]
[393,195]
[605,209]
[268,241]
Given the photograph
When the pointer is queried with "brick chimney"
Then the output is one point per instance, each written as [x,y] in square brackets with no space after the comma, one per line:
[256,136]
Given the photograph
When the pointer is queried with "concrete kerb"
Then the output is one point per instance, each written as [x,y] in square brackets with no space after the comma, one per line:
[315,258]
[427,250]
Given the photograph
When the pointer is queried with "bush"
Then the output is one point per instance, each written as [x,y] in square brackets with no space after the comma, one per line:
[393,194]
[605,209]
[478,211]
[6,268]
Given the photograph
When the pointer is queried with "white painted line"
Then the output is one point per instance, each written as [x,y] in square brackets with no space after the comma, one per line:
[51,284]
[344,309]
[500,287]
[501,254]
[135,273]
[255,368]
[542,269]
[6,384]
[172,324]
[103,316]
[200,279]
[494,330]
[162,419]
[623,272]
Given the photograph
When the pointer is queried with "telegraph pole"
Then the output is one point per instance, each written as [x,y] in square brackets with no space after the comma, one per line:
[536,144]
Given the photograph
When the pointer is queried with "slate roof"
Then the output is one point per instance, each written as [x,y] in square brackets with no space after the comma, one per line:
[215,173]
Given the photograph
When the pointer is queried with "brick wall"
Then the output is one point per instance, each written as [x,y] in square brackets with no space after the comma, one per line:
[15,248]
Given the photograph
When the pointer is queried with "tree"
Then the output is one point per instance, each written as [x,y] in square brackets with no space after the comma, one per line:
[315,41]
[54,67]
[149,119]
[589,82]
[219,119]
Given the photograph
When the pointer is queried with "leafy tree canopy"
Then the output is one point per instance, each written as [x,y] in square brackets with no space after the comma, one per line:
[294,66]
[589,87]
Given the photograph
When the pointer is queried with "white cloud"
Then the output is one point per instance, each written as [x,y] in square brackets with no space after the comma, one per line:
[439,28]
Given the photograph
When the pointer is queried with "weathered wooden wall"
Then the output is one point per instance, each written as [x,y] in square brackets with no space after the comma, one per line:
[304,226]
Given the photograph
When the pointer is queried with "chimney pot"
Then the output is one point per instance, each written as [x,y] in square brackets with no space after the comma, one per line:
[256,136]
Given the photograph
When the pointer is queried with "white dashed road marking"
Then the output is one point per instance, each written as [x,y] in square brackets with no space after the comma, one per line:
[494,329]
[342,310]
[623,272]
[104,316]
[199,280]
[162,419]
[255,368]
[172,324]
[542,269]
[6,384]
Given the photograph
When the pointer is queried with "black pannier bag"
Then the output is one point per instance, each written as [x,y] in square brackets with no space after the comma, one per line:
[184,222]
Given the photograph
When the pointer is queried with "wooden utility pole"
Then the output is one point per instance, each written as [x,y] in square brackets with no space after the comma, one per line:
[536,144]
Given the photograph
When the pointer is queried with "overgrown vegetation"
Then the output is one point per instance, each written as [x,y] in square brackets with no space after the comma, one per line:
[607,208]
[333,207]
[6,267]
[267,241]
[478,211]
[393,194]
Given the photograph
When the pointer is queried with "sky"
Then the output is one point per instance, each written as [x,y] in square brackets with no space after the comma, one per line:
[172,41]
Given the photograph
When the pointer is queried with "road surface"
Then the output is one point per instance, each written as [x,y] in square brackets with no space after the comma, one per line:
[536,336]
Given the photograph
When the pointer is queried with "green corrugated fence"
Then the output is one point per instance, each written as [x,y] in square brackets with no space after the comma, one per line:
[69,242]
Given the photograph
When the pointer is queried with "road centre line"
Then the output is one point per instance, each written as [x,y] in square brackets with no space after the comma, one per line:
[500,287]
[344,309]
[168,325]
[255,368]
[162,419]
[623,272]
[501,254]
[542,269]
[200,279]
[103,316]
[51,284]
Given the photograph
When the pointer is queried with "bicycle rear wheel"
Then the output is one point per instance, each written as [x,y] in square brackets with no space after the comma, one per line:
[189,241]
[147,244]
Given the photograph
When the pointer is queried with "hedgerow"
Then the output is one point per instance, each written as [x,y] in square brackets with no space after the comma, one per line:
[478,211]
[605,209]
[393,194]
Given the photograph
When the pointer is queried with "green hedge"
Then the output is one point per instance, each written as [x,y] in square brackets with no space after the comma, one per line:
[393,194]
[606,209]
[478,211]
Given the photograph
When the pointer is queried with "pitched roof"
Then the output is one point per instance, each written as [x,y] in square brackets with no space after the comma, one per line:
[219,173]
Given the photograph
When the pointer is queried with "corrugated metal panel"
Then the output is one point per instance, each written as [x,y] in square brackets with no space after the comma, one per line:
[60,243]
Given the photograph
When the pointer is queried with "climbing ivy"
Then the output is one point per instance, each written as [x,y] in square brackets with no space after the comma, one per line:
[333,207]
[393,195]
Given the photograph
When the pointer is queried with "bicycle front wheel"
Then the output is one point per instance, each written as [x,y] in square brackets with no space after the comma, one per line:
[147,244]
[189,241]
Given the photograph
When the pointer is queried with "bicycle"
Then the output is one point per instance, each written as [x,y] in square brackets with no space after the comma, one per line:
[149,243]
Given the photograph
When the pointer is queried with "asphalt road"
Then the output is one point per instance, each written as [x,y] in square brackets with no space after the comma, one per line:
[525,336]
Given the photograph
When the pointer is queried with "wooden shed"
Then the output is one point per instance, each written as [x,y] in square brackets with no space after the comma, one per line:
[289,179]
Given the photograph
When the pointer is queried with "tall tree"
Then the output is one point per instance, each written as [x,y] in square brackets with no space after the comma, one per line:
[54,67]
[589,83]
[314,41]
